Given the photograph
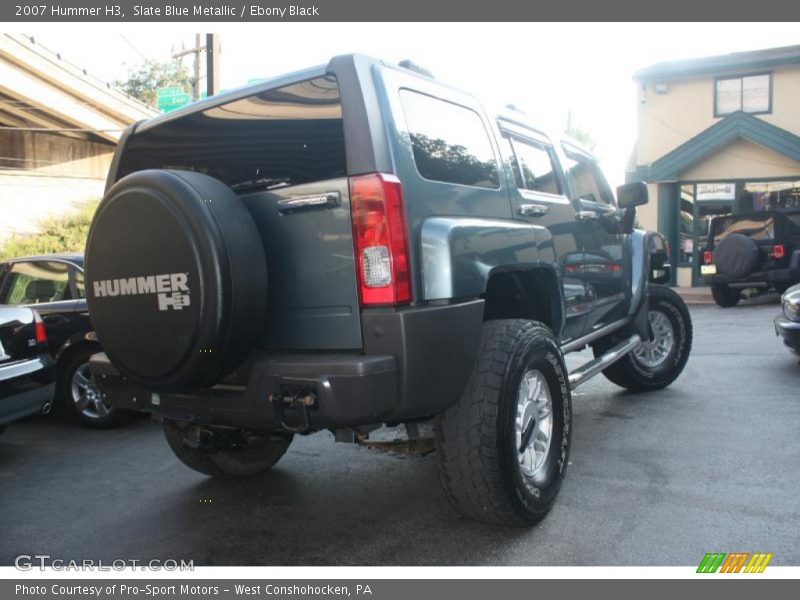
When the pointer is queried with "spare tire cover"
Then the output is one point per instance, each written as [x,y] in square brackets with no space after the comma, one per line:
[176,278]
[736,256]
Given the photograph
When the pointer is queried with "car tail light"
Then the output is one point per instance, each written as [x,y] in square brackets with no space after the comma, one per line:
[708,257]
[380,239]
[778,251]
[41,333]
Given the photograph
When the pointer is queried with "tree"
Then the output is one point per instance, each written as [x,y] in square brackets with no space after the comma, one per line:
[583,136]
[143,81]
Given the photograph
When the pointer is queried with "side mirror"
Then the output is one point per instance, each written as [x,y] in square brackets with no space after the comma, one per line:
[632,194]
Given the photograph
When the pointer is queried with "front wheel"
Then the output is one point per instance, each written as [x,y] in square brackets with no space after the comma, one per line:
[726,296]
[503,447]
[657,362]
[224,453]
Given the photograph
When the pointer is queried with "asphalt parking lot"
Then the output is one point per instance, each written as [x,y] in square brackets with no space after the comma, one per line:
[709,464]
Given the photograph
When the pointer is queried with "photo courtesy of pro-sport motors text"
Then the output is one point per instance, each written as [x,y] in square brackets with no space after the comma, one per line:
[371,299]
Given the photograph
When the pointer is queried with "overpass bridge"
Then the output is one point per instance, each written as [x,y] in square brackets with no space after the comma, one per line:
[59,126]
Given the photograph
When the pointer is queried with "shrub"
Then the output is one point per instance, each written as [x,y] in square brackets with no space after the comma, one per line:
[63,233]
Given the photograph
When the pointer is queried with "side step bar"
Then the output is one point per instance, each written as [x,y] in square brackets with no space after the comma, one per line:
[593,367]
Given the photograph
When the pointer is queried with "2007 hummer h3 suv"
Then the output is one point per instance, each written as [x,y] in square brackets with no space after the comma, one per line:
[358,244]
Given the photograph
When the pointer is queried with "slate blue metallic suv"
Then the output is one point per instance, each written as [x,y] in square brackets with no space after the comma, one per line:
[359,244]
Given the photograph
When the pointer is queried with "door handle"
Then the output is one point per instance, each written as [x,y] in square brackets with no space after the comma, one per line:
[586,215]
[324,200]
[533,210]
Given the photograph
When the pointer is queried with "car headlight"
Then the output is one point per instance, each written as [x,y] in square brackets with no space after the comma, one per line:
[791,308]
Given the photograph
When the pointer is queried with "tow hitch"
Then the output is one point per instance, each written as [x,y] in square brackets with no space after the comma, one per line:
[302,399]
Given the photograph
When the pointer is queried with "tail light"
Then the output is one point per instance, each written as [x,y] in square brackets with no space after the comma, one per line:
[380,239]
[708,257]
[778,251]
[40,332]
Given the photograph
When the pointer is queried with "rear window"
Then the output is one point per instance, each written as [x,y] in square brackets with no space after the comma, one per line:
[756,227]
[449,141]
[280,137]
[761,226]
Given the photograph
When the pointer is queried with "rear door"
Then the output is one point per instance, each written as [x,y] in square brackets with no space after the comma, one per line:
[539,198]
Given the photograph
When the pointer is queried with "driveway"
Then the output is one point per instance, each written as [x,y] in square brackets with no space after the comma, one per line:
[709,464]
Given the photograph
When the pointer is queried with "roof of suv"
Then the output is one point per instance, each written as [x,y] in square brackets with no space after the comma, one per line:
[71,257]
[511,116]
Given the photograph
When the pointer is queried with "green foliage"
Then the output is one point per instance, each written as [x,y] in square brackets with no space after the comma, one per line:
[582,136]
[143,81]
[64,233]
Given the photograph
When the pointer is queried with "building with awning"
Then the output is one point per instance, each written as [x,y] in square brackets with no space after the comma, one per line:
[59,126]
[716,136]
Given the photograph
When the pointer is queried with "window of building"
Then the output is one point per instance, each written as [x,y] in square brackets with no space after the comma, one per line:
[534,167]
[770,195]
[686,226]
[751,94]
[449,141]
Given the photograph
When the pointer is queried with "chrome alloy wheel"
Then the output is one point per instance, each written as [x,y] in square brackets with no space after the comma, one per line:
[652,353]
[86,395]
[534,423]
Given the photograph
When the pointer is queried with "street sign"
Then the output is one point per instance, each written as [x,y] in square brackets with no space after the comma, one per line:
[170,98]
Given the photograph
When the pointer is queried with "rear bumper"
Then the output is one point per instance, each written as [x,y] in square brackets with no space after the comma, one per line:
[790,332]
[25,387]
[772,277]
[415,364]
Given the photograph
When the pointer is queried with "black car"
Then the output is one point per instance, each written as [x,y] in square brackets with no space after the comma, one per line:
[758,249]
[27,373]
[53,285]
[787,326]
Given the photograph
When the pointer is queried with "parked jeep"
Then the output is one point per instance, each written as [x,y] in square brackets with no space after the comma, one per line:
[757,250]
[359,244]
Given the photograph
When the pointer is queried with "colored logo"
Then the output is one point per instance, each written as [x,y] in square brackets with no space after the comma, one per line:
[735,562]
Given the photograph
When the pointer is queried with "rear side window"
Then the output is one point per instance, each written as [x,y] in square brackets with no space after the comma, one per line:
[280,137]
[533,167]
[36,283]
[449,141]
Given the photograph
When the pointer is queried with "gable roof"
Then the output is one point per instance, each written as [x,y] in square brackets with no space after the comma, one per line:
[754,59]
[736,125]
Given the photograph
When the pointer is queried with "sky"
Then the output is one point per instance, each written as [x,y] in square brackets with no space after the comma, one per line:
[546,69]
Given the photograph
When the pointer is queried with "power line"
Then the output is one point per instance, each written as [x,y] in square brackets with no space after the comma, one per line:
[133,46]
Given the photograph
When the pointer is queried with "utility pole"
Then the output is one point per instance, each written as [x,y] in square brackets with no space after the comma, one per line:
[212,64]
[198,48]
[211,48]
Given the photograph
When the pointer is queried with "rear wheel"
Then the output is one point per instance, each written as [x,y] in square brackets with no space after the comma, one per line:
[224,453]
[503,447]
[657,362]
[79,395]
[726,296]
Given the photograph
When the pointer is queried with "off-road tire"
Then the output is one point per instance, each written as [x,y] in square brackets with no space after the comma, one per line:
[67,368]
[475,439]
[629,372]
[726,296]
[258,456]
